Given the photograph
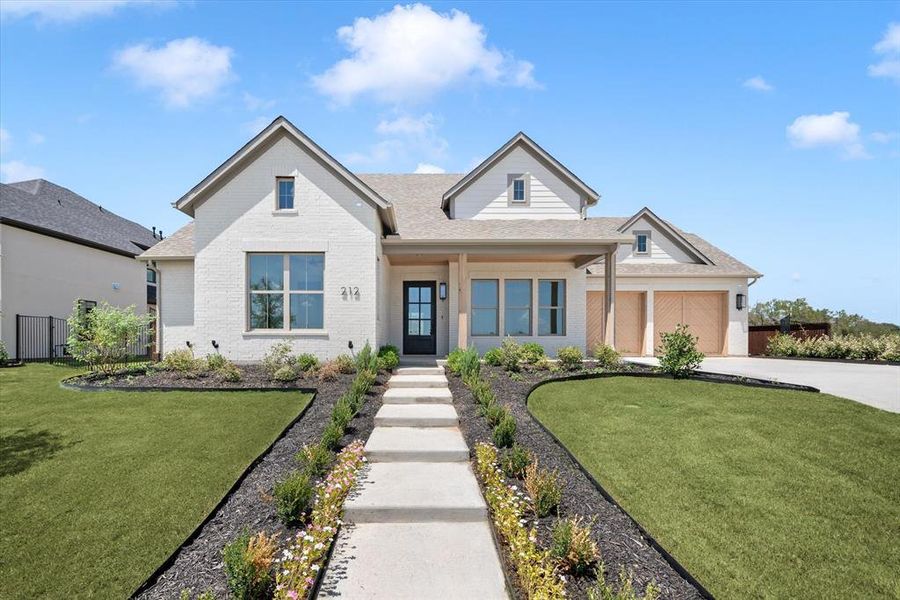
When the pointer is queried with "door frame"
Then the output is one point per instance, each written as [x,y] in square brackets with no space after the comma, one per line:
[433,345]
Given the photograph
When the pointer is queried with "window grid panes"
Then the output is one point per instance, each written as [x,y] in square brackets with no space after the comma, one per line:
[551,307]
[485,307]
[518,190]
[285,194]
[517,307]
[642,243]
[303,297]
[419,307]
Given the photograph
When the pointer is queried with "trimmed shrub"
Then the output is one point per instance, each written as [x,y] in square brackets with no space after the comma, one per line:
[493,357]
[293,496]
[607,357]
[366,359]
[230,373]
[603,590]
[216,362]
[342,413]
[345,364]
[329,371]
[782,344]
[469,364]
[531,353]
[285,374]
[510,355]
[573,547]
[181,361]
[332,435]
[515,460]
[570,358]
[388,357]
[314,460]
[544,488]
[248,565]
[279,355]
[4,355]
[454,361]
[505,431]
[482,392]
[307,362]
[678,354]
[493,412]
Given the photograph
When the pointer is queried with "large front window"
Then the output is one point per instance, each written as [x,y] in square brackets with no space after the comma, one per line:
[517,303]
[551,307]
[485,307]
[303,295]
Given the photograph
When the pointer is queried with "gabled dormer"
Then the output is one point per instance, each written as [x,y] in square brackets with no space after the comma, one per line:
[657,242]
[521,180]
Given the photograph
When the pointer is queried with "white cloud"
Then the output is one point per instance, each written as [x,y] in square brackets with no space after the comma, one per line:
[58,10]
[412,52]
[834,130]
[407,139]
[254,103]
[407,125]
[883,137]
[5,140]
[36,139]
[759,84]
[889,49]
[16,170]
[429,168]
[256,125]
[184,70]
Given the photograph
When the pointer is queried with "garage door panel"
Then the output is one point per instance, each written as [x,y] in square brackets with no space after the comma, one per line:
[630,322]
[702,312]
[595,314]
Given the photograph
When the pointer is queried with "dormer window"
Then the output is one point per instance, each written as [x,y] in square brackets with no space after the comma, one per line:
[642,243]
[285,189]
[518,189]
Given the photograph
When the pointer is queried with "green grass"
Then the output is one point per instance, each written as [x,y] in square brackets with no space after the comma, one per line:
[759,493]
[98,488]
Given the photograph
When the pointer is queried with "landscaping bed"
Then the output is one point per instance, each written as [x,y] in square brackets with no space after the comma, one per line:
[252,377]
[198,566]
[620,542]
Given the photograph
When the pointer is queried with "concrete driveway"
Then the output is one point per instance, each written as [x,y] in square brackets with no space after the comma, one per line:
[875,385]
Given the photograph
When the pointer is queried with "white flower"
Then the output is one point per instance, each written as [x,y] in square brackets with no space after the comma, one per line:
[315,567]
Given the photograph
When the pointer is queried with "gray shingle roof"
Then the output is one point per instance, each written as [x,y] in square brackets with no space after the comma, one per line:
[417,202]
[48,208]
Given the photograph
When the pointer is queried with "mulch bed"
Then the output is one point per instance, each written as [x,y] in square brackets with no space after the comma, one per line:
[198,566]
[253,377]
[621,543]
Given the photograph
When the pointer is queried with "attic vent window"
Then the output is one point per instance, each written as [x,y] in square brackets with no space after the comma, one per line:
[518,189]
[642,242]
[285,193]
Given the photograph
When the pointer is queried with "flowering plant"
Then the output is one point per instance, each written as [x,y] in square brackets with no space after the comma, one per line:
[537,572]
[301,561]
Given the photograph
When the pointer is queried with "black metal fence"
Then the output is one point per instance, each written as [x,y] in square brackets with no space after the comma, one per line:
[45,339]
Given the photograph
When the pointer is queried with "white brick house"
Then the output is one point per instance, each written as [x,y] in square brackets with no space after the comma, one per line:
[287,244]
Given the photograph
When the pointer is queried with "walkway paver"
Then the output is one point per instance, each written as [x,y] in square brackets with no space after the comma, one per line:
[417,525]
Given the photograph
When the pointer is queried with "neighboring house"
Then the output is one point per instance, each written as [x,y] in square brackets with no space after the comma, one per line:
[57,247]
[287,244]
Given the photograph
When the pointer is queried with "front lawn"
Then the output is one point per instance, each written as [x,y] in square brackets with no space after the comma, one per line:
[759,493]
[98,488]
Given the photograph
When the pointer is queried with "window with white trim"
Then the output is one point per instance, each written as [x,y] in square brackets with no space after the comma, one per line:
[303,296]
[552,307]
[485,307]
[517,307]
[285,189]
[642,242]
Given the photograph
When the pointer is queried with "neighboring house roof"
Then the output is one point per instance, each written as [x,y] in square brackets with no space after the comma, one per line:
[281,126]
[420,218]
[521,140]
[43,207]
[178,245]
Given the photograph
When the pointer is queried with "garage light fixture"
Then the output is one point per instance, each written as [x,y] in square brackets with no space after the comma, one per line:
[740,300]
[442,291]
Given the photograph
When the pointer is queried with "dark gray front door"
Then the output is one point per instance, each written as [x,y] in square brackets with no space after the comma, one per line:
[419,312]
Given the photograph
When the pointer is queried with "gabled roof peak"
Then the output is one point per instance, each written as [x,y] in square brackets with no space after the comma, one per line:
[671,231]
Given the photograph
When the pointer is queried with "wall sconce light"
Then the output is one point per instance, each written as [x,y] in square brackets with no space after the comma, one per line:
[189,344]
[215,344]
[740,300]
[442,290]
[350,344]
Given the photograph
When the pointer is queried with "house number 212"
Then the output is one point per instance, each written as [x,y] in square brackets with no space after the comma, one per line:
[350,291]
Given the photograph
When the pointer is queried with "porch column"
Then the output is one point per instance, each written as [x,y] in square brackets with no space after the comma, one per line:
[463,301]
[609,289]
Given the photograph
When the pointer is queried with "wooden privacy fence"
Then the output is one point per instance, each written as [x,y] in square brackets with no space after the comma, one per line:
[760,334]
[45,339]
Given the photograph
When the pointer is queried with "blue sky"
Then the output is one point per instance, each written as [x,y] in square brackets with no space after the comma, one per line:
[773,130]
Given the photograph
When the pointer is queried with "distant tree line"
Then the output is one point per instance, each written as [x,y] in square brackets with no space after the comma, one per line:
[800,311]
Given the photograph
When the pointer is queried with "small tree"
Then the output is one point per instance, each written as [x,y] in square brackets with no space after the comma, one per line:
[678,354]
[104,336]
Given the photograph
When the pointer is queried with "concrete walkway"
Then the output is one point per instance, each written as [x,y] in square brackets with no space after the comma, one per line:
[417,525]
[875,385]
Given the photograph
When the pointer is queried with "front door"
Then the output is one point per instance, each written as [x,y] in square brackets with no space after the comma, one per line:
[419,312]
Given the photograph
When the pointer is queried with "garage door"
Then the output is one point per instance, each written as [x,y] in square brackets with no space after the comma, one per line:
[629,321]
[703,312]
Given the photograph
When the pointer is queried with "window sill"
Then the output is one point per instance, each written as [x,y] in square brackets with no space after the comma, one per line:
[285,212]
[286,333]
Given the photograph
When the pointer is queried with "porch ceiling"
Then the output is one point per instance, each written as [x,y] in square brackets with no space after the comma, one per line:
[579,253]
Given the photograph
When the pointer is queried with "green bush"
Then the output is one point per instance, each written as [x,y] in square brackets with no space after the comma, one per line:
[678,354]
[345,364]
[105,336]
[329,371]
[505,431]
[248,566]
[366,359]
[531,353]
[515,460]
[230,373]
[285,374]
[4,355]
[782,344]
[469,364]
[481,391]
[511,355]
[493,412]
[342,413]
[307,362]
[216,362]
[607,357]
[180,361]
[602,590]
[543,487]
[573,547]
[293,497]
[570,358]
[493,357]
[332,435]
[278,356]
[388,357]
[454,361]
[315,460]
[859,347]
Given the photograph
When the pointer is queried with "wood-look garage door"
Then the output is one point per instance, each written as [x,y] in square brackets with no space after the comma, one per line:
[703,312]
[630,319]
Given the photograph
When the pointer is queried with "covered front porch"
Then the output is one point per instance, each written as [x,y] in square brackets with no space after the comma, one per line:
[441,296]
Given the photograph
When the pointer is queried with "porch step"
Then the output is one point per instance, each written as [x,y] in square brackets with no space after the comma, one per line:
[416,415]
[417,381]
[417,396]
[414,561]
[417,444]
[416,492]
[419,371]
